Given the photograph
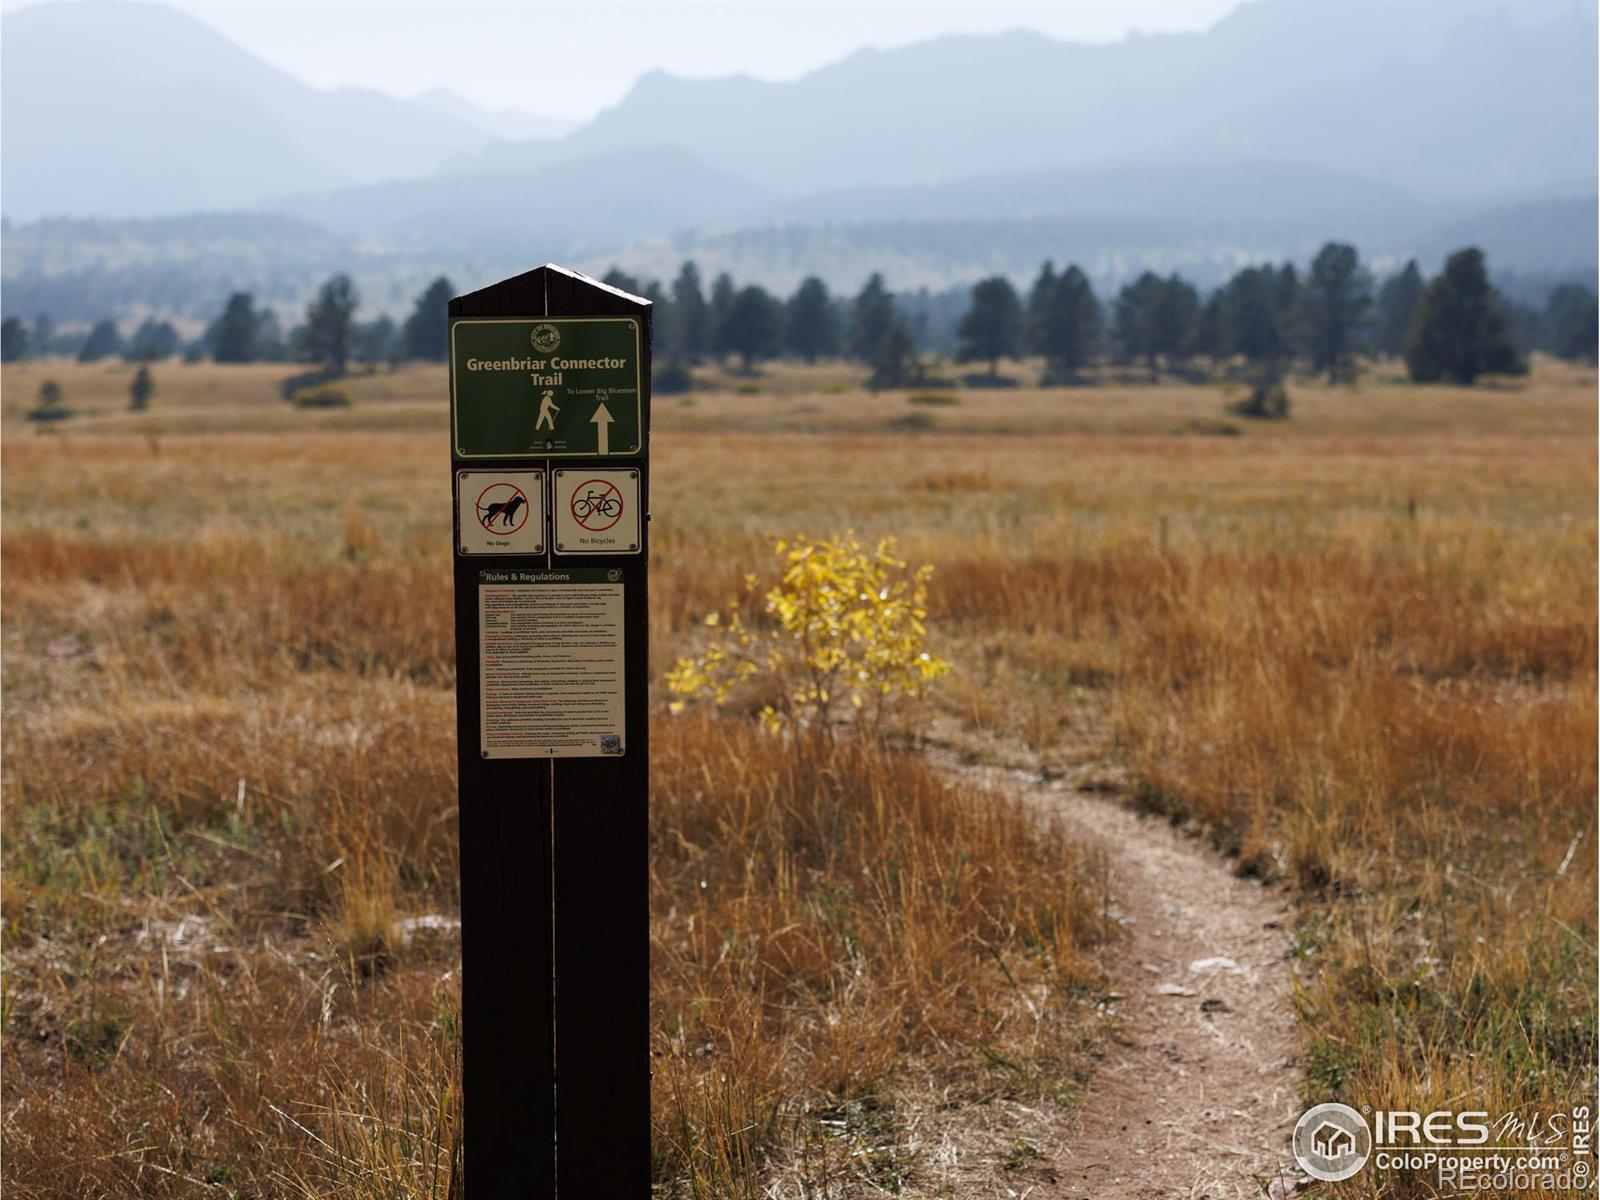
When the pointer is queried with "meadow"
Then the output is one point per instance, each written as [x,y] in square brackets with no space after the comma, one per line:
[1356,648]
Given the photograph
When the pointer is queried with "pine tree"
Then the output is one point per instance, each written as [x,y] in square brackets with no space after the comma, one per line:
[691,329]
[103,342]
[378,342]
[1066,323]
[13,340]
[1568,325]
[1040,297]
[1333,307]
[1258,325]
[141,389]
[811,326]
[663,321]
[330,323]
[622,281]
[871,317]
[722,293]
[154,341]
[270,344]
[753,327]
[233,337]
[894,362]
[426,336]
[1461,330]
[992,327]
[1397,309]
[44,334]
[1177,314]
[1211,330]
[1136,319]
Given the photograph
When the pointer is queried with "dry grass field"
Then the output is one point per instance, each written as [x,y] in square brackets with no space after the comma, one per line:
[1358,648]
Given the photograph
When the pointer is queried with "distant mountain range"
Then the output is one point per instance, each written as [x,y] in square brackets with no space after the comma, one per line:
[1406,128]
[124,108]
[1460,94]
[501,122]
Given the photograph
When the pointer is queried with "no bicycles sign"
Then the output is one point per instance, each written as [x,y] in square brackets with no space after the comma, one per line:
[596,511]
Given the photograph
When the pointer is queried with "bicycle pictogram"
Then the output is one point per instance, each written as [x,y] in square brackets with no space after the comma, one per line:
[597,505]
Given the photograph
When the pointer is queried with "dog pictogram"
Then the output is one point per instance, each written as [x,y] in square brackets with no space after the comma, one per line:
[502,508]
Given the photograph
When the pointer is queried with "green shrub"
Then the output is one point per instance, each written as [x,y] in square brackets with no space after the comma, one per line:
[672,379]
[982,379]
[1207,427]
[934,399]
[52,405]
[1268,401]
[326,395]
[302,380]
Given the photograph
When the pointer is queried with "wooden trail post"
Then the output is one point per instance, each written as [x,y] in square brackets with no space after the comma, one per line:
[550,420]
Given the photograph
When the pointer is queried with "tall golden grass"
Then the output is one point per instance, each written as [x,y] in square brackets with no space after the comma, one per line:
[823,912]
[1359,649]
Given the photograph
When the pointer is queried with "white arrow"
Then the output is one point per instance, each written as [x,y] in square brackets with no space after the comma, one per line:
[602,422]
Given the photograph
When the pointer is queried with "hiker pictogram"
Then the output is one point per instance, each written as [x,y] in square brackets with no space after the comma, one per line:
[597,505]
[502,508]
[548,411]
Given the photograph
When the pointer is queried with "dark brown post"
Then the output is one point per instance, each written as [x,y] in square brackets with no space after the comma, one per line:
[554,874]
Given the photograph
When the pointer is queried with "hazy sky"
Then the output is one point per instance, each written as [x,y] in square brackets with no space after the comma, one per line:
[572,59]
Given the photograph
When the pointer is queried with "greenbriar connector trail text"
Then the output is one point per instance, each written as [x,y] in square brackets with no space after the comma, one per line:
[541,364]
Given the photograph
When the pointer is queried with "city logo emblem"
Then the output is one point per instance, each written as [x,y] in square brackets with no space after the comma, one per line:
[545,338]
[1332,1142]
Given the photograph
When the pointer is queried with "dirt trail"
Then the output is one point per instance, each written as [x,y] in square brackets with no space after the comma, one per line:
[1198,1090]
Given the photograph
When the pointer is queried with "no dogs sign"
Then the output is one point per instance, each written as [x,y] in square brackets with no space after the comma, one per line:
[500,512]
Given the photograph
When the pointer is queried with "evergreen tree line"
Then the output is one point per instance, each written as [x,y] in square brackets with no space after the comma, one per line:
[330,334]
[749,324]
[1271,317]
[1454,327]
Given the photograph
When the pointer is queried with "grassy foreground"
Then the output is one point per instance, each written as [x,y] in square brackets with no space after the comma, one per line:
[1358,647]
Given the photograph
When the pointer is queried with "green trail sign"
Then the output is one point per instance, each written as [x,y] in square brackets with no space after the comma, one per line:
[545,387]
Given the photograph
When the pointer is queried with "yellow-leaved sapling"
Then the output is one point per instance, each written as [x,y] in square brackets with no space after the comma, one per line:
[843,630]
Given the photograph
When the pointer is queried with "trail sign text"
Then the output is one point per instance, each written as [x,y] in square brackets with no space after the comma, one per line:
[552,668]
[545,388]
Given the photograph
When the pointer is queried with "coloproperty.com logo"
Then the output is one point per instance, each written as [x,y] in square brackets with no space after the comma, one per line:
[1331,1142]
[1459,1150]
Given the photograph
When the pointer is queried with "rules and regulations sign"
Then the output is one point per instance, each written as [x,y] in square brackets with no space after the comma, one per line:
[551,678]
[500,512]
[597,512]
[549,387]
